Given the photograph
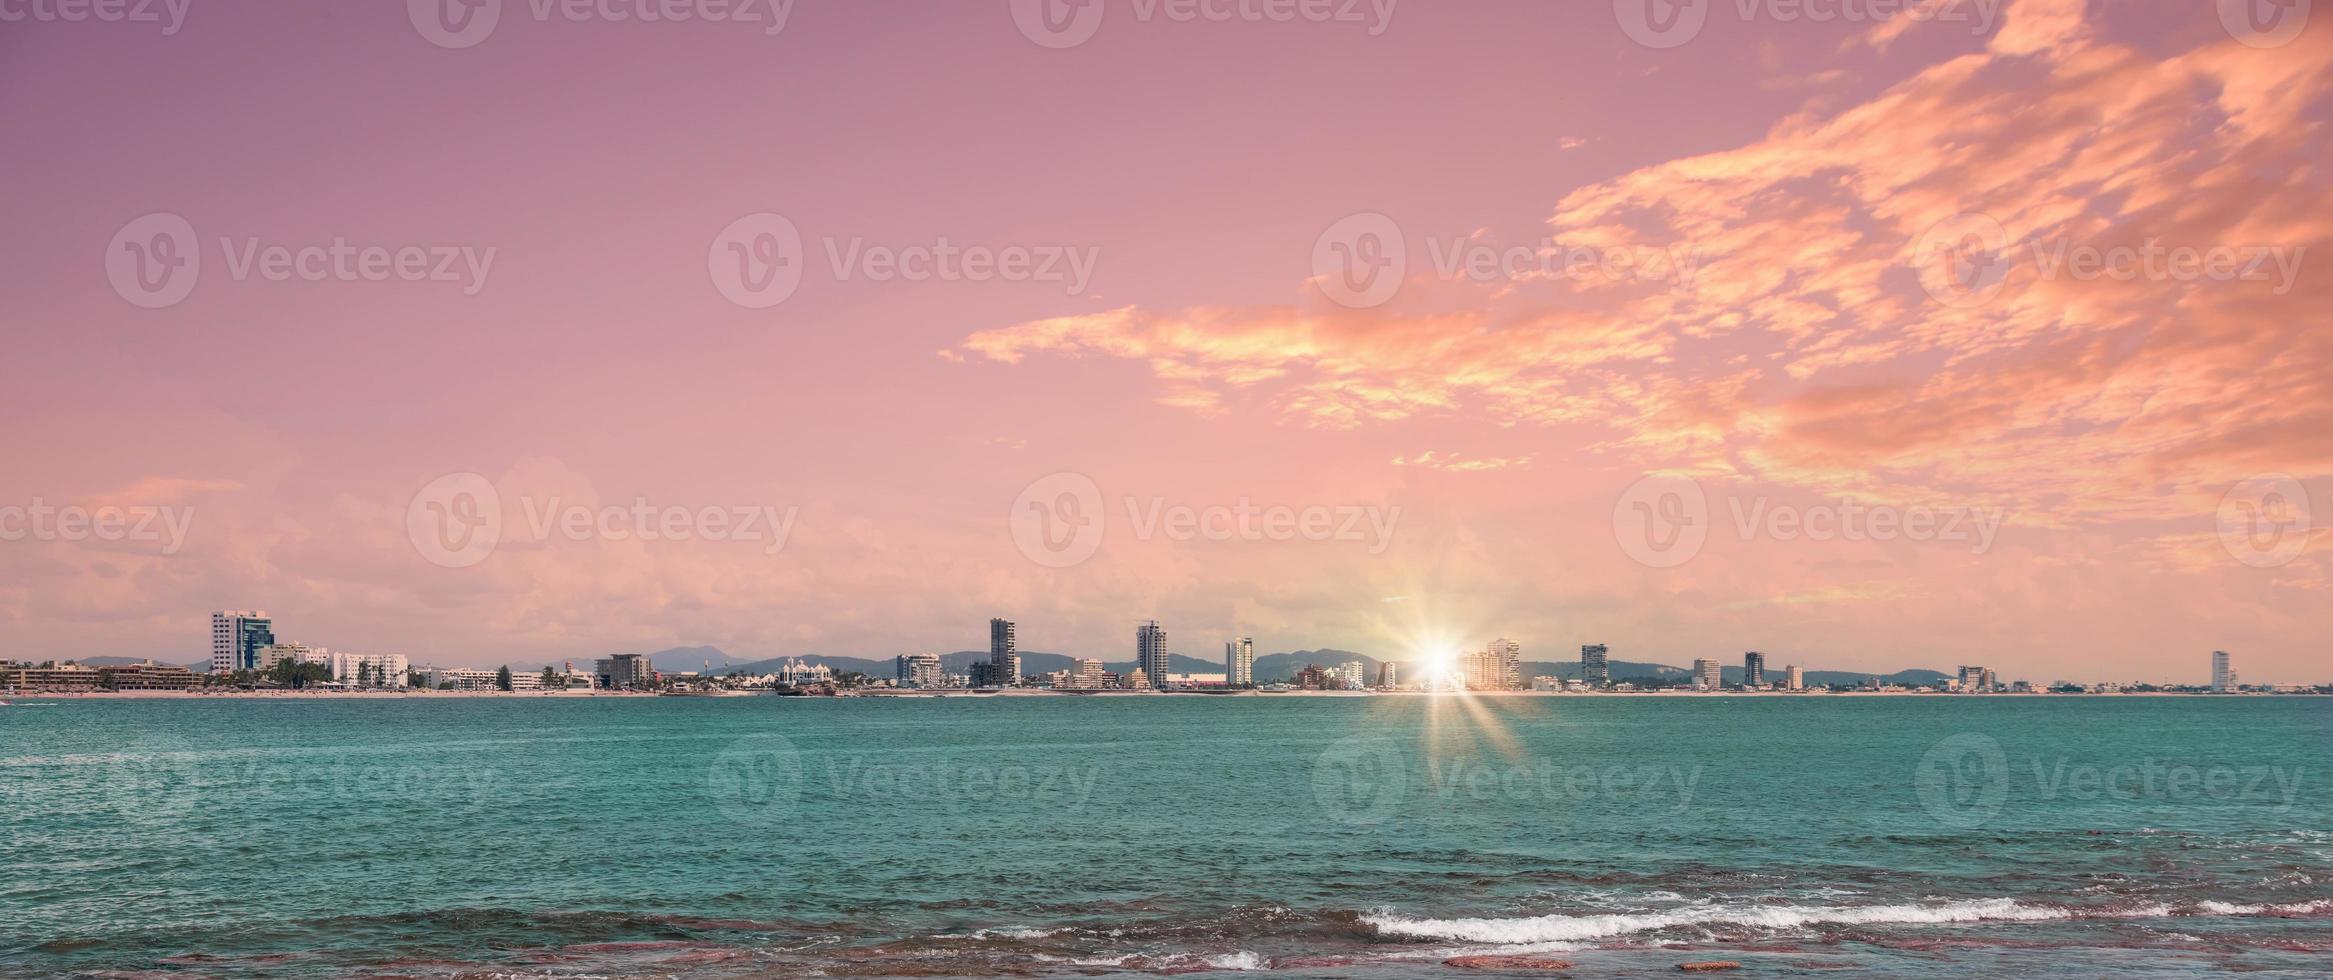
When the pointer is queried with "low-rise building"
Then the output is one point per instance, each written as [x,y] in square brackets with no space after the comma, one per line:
[148,676]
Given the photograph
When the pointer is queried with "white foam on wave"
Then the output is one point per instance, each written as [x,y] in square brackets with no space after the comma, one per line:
[2290,908]
[1582,928]
[1242,960]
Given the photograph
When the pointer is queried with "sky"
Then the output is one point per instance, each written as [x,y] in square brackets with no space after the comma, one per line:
[1993,333]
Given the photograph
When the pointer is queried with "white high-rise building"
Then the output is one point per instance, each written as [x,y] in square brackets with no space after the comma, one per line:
[1353,674]
[299,653]
[1793,678]
[1085,674]
[2223,672]
[918,670]
[1150,653]
[237,636]
[1708,675]
[368,669]
[1239,662]
[1507,664]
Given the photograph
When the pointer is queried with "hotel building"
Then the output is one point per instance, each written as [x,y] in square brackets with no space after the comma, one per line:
[1239,661]
[1793,678]
[1004,655]
[1086,674]
[918,670]
[237,636]
[1708,675]
[1150,652]
[2223,672]
[1753,670]
[1507,658]
[1596,665]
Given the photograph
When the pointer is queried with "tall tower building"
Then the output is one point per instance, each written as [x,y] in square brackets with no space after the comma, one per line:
[1507,663]
[1595,667]
[1150,652]
[2223,672]
[1753,669]
[1708,675]
[1239,662]
[237,637]
[1004,657]
[1793,678]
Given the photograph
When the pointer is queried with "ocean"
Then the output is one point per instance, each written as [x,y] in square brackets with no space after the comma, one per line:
[1208,836]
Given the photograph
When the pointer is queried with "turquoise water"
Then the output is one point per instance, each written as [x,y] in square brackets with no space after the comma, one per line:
[1353,837]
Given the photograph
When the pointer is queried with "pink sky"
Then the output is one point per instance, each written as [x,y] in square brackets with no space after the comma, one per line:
[2110,424]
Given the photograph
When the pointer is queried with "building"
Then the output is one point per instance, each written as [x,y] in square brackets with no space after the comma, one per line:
[1194,680]
[467,678]
[918,670]
[1386,677]
[1353,674]
[1478,671]
[1004,656]
[2223,672]
[1545,684]
[624,671]
[53,676]
[1150,651]
[1315,677]
[237,636]
[147,676]
[1972,680]
[299,653]
[1239,661]
[368,669]
[1753,670]
[1506,664]
[1595,665]
[1793,679]
[1085,674]
[1707,675]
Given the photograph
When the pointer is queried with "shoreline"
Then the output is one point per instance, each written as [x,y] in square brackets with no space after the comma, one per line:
[963,695]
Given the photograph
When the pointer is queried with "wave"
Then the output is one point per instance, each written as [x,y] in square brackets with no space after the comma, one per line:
[1584,928]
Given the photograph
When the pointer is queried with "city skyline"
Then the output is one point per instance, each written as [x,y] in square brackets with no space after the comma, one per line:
[2110,474]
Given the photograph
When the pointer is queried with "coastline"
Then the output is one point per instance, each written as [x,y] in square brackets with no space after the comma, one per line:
[1045,693]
